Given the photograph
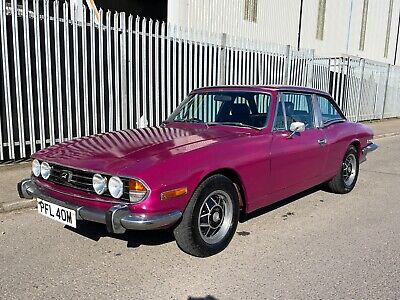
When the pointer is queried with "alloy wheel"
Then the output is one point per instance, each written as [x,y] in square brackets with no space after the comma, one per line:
[349,169]
[215,217]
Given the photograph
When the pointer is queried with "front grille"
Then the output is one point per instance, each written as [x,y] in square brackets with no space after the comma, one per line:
[81,180]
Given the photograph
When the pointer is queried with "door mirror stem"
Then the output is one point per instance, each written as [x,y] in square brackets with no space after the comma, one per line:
[296,127]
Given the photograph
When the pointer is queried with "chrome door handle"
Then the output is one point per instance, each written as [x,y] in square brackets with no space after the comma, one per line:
[322,141]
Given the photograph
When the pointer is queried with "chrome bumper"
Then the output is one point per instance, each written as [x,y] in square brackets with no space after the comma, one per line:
[369,148]
[117,219]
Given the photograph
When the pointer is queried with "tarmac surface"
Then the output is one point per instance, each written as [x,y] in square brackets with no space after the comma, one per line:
[313,245]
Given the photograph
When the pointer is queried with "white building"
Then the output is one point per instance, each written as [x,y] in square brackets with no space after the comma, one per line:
[364,28]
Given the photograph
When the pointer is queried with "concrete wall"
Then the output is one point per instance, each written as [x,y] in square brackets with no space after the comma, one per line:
[278,22]
[340,25]
[228,16]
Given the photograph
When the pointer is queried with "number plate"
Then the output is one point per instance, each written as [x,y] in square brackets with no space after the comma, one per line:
[58,213]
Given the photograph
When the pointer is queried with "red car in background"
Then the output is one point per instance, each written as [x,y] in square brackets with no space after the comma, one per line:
[223,151]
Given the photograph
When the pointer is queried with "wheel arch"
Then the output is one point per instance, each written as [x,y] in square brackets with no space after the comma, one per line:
[357,145]
[237,181]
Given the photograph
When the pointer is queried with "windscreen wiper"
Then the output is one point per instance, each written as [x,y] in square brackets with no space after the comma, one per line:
[188,120]
[238,124]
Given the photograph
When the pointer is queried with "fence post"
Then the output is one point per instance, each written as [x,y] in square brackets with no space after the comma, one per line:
[124,93]
[310,71]
[360,89]
[222,60]
[286,66]
[386,90]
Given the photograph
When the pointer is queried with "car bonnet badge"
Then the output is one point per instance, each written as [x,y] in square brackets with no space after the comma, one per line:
[66,176]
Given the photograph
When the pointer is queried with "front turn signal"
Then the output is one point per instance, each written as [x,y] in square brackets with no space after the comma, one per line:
[136,185]
[174,193]
[137,191]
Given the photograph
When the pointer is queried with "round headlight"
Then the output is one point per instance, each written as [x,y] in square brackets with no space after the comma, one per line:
[99,184]
[45,170]
[36,167]
[116,187]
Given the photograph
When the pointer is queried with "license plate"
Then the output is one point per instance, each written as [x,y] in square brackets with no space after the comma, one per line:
[58,213]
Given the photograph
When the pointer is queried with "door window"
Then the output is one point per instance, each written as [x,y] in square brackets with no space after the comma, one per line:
[294,108]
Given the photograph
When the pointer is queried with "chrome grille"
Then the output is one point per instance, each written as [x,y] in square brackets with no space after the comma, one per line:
[81,180]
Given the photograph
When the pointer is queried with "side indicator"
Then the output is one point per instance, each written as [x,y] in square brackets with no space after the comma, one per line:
[173,193]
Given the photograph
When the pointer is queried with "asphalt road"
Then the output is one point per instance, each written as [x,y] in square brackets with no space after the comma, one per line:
[317,245]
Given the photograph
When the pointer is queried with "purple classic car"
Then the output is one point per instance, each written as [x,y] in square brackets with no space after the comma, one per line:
[222,152]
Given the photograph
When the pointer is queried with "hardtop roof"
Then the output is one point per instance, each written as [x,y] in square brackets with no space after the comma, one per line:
[289,88]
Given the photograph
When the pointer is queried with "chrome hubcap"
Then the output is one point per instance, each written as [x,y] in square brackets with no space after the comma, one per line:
[215,219]
[349,170]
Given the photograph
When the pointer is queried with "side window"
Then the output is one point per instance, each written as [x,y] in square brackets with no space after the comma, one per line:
[328,110]
[296,108]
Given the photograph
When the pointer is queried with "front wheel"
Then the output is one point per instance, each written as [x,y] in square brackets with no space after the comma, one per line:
[347,176]
[210,219]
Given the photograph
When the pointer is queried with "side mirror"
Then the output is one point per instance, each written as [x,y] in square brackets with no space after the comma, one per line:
[296,127]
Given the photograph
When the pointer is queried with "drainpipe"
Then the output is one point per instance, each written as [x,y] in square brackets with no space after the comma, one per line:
[300,23]
[397,41]
[349,27]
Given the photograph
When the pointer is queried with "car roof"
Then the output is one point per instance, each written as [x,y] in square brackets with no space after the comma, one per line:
[265,88]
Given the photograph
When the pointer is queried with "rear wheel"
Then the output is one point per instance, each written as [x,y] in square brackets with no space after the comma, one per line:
[347,176]
[210,219]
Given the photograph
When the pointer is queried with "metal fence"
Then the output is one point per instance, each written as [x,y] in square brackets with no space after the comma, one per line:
[61,79]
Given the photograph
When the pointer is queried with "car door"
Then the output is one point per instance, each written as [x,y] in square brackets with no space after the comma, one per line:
[296,161]
[332,125]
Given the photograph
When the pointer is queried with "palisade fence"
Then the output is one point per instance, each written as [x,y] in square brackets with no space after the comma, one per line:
[61,79]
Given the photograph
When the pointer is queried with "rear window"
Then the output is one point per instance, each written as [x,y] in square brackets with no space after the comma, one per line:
[328,110]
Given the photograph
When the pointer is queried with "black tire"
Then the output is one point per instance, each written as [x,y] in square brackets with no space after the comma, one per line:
[188,233]
[338,183]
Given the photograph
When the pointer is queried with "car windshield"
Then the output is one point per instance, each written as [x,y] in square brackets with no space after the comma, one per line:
[230,108]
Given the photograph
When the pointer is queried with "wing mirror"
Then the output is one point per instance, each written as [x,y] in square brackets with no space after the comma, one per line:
[296,127]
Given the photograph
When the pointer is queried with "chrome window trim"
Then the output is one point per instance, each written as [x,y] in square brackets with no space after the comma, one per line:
[279,102]
[317,112]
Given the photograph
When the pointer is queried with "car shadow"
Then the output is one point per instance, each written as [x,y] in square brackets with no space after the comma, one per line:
[134,239]
[276,205]
[208,297]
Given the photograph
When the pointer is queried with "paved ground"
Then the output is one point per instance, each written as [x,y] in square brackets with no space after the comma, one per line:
[318,245]
[10,175]
[386,127]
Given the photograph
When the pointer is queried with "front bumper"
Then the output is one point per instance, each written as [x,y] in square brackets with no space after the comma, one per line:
[367,149]
[117,219]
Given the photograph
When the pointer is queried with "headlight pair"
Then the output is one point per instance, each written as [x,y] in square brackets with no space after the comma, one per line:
[137,190]
[115,185]
[43,169]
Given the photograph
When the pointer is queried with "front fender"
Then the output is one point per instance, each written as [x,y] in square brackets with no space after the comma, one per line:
[247,157]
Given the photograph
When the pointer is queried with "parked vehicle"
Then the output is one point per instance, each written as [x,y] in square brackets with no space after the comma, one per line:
[222,152]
